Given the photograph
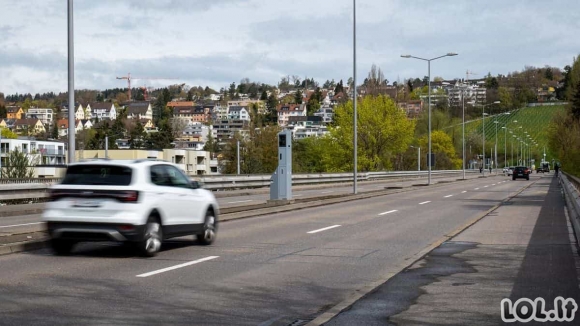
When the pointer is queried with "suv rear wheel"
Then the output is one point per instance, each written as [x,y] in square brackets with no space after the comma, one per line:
[209,229]
[152,239]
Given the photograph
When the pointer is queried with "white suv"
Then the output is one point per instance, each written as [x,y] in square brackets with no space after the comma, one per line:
[142,202]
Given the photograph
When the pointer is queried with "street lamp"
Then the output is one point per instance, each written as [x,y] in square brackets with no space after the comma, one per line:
[418,157]
[450,54]
[355,136]
[495,150]
[483,114]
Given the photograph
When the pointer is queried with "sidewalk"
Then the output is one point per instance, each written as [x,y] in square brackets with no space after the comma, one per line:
[524,249]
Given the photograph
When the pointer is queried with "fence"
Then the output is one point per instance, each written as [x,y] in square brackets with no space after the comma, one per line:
[35,189]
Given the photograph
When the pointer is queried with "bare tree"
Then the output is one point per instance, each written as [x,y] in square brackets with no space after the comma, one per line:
[177,126]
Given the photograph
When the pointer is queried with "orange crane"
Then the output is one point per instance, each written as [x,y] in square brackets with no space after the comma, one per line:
[129,78]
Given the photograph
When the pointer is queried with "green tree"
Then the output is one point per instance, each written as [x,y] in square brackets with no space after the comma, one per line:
[298,97]
[312,106]
[54,130]
[3,112]
[8,134]
[444,150]
[264,96]
[383,132]
[137,136]
[258,151]
[18,165]
[211,145]
[339,88]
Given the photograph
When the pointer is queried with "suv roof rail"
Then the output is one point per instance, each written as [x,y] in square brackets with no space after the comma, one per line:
[141,160]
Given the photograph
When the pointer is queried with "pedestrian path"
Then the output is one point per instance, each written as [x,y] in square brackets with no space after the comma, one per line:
[523,249]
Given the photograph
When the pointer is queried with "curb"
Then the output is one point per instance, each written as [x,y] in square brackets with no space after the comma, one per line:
[236,213]
[366,290]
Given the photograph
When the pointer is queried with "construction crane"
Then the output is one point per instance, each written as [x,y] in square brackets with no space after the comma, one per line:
[129,78]
[467,73]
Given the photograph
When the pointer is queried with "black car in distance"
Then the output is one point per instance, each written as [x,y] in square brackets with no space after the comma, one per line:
[521,172]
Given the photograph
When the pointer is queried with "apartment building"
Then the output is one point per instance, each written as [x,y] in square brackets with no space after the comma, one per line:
[45,115]
[38,152]
[193,162]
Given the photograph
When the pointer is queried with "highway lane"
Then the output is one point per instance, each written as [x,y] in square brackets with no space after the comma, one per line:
[32,222]
[266,270]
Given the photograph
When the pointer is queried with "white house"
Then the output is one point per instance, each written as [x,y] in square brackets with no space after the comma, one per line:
[285,111]
[102,111]
[80,113]
[140,110]
[238,113]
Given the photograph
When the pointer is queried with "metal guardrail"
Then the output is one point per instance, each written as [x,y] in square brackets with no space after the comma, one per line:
[571,186]
[35,189]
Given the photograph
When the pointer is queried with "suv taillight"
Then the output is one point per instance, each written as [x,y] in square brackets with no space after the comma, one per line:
[127,196]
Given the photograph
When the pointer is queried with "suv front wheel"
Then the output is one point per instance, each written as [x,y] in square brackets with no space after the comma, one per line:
[210,226]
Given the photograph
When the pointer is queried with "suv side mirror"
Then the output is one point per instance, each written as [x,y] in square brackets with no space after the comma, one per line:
[194,184]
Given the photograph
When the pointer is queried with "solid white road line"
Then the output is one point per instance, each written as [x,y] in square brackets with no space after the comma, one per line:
[11,226]
[448,196]
[240,201]
[297,195]
[324,229]
[177,266]
[425,202]
[326,192]
[389,212]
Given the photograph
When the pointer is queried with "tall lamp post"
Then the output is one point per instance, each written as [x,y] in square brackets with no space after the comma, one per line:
[354,190]
[71,85]
[495,149]
[483,114]
[450,54]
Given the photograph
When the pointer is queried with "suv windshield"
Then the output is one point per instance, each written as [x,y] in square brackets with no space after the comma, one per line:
[98,175]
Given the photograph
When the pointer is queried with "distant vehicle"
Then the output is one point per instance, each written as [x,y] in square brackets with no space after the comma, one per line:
[141,202]
[510,170]
[543,167]
[521,172]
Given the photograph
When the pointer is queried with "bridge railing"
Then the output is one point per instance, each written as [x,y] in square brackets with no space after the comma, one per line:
[37,189]
[571,186]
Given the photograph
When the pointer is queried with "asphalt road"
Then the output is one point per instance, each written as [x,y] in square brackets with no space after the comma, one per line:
[268,270]
[32,222]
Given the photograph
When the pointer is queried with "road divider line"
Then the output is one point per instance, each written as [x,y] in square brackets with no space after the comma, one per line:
[297,195]
[448,196]
[324,229]
[15,225]
[240,201]
[464,191]
[485,186]
[425,202]
[326,192]
[476,189]
[493,184]
[389,212]
[177,266]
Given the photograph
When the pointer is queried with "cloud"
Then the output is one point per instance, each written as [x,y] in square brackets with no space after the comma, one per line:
[217,42]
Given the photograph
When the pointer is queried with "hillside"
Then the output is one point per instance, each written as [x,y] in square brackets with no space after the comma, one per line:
[533,120]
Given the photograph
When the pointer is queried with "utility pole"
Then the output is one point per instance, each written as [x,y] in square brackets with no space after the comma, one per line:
[71,85]
[354,190]
[238,155]
[106,146]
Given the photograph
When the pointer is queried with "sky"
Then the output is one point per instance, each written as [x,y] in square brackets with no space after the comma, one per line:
[217,42]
